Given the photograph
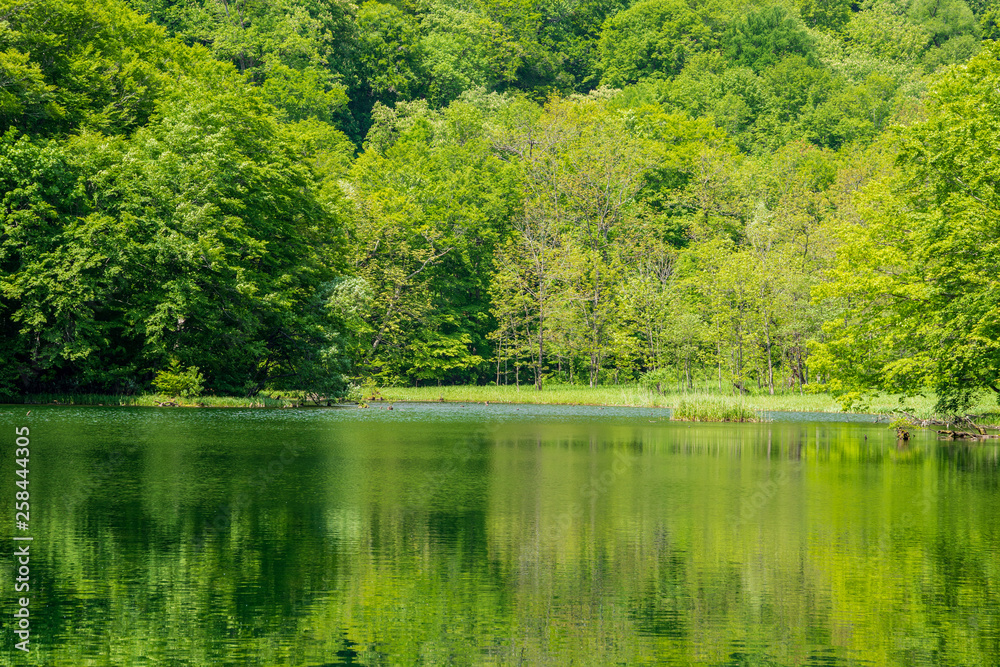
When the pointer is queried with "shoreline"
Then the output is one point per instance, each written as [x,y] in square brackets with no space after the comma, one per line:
[630,396]
[593,405]
[889,407]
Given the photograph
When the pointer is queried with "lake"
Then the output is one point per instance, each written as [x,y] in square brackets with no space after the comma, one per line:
[498,535]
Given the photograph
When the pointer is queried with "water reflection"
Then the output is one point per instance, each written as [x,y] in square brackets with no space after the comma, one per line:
[501,535]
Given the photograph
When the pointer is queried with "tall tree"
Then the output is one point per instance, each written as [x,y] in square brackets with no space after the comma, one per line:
[193,233]
[431,202]
[581,173]
[917,276]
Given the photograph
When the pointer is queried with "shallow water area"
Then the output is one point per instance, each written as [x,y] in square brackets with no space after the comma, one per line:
[500,534]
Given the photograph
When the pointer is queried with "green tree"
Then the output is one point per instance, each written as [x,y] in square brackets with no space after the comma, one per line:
[916,277]
[653,39]
[764,36]
[389,60]
[943,19]
[830,15]
[299,51]
[431,202]
[581,170]
[39,186]
[67,64]
[882,30]
[465,50]
[175,381]
[953,31]
[198,238]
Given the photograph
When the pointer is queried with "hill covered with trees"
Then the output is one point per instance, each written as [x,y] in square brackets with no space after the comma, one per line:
[295,193]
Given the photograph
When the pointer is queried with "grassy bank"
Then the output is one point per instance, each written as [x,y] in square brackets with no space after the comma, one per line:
[618,395]
[158,400]
[701,404]
[634,396]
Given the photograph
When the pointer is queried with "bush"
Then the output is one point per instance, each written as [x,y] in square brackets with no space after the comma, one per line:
[174,381]
[661,380]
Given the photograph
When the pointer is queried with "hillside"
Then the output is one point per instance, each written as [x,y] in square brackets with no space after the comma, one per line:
[300,194]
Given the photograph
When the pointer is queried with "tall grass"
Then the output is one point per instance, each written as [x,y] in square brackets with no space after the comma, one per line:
[551,394]
[703,398]
[159,400]
[611,395]
[922,407]
[633,395]
[81,399]
[715,410]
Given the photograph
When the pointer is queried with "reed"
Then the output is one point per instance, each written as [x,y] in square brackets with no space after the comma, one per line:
[636,396]
[609,395]
[715,410]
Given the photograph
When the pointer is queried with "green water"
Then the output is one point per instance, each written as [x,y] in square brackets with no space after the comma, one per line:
[445,534]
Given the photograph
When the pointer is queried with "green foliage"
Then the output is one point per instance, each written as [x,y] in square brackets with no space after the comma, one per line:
[285,194]
[916,275]
[658,380]
[882,30]
[830,15]
[431,201]
[198,235]
[988,20]
[653,39]
[901,423]
[951,28]
[66,64]
[463,51]
[176,381]
[298,52]
[562,270]
[943,19]
[764,36]
[389,59]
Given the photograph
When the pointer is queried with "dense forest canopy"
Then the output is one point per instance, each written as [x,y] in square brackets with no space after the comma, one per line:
[301,193]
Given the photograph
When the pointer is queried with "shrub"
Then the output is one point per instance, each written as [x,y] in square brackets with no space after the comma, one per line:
[661,380]
[175,381]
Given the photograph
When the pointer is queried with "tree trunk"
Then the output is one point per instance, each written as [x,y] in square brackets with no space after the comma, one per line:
[770,369]
[499,352]
[541,343]
[720,367]
[769,344]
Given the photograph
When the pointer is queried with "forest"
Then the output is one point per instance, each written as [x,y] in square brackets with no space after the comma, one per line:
[306,194]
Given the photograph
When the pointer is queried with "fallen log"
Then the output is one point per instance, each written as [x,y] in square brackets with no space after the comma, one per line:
[968,420]
[917,421]
[966,435]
